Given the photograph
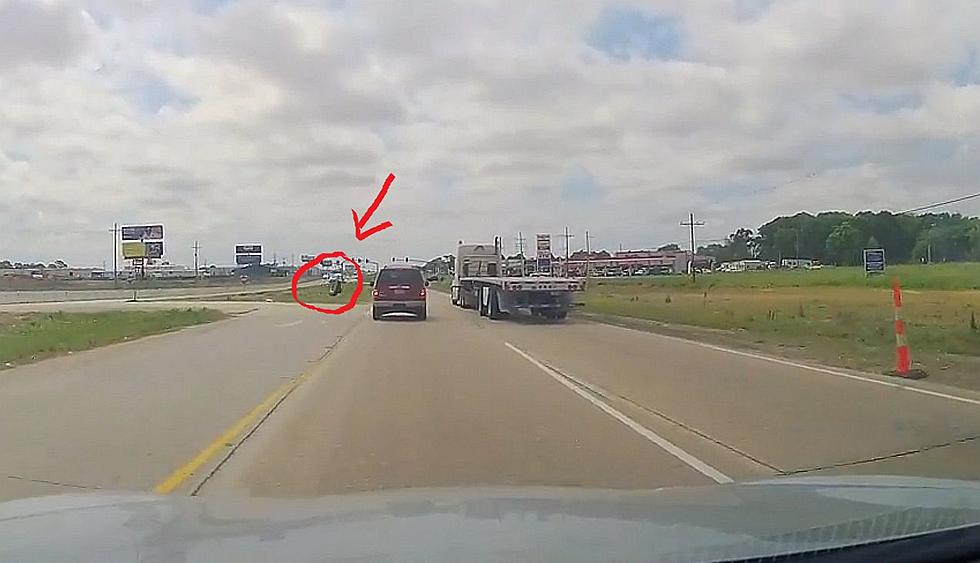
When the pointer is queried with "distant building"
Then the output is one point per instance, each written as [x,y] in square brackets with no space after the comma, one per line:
[634,262]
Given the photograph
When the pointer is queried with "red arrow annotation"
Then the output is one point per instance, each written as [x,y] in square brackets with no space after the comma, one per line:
[359,223]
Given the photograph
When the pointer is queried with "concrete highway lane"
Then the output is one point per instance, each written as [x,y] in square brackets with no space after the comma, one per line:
[462,400]
[127,416]
[771,413]
[282,401]
[403,403]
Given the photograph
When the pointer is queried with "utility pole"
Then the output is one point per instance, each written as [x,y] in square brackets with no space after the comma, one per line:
[197,249]
[797,246]
[520,251]
[519,239]
[692,223]
[588,254]
[567,236]
[114,230]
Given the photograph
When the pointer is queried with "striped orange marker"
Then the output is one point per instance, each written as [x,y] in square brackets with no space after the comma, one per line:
[902,359]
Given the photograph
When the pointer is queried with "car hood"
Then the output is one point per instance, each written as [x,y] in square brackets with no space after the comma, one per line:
[741,520]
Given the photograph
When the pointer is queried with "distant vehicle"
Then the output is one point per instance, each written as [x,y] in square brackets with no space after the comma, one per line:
[37,276]
[479,285]
[399,289]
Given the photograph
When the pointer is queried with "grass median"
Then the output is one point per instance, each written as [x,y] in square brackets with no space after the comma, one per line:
[833,316]
[28,337]
[315,294]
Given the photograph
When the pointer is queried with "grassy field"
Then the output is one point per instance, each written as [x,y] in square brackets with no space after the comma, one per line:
[935,276]
[27,337]
[833,316]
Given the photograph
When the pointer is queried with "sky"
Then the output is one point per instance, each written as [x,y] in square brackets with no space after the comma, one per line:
[259,121]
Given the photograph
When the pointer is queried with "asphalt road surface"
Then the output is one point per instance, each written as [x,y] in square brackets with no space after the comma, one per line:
[282,401]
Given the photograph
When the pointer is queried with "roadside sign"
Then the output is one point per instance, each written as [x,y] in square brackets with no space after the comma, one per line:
[874,261]
[544,244]
[247,254]
[142,232]
[154,249]
[544,265]
[247,259]
[132,250]
[304,258]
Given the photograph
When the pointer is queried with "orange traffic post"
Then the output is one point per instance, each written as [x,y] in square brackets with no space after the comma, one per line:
[902,359]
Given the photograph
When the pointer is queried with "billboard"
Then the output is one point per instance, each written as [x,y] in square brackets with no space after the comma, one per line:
[142,232]
[874,261]
[132,250]
[154,249]
[544,244]
[249,249]
[248,259]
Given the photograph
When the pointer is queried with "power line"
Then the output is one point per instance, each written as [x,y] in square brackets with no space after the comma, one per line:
[567,236]
[588,253]
[520,243]
[115,251]
[941,203]
[197,250]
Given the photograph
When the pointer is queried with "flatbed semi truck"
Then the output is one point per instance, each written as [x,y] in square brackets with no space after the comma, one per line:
[478,284]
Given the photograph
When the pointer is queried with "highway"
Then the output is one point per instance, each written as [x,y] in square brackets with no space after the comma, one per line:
[282,401]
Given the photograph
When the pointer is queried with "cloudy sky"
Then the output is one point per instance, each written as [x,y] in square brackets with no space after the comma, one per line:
[260,121]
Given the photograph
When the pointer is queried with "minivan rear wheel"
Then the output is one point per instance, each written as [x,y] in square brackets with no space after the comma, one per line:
[374,314]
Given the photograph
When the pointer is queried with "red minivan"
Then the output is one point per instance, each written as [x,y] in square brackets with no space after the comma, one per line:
[399,288]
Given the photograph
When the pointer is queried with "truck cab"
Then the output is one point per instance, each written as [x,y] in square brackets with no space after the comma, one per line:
[477,260]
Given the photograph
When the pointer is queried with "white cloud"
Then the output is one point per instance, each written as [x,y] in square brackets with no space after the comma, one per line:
[267,122]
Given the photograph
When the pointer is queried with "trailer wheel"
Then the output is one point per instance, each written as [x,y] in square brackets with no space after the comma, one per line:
[561,315]
[493,307]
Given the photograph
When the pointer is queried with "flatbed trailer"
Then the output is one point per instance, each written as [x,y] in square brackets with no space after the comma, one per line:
[495,298]
[476,285]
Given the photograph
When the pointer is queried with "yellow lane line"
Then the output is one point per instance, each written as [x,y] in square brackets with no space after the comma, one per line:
[226,439]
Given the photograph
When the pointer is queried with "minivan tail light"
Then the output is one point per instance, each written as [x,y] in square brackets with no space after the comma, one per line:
[422,292]
[374,293]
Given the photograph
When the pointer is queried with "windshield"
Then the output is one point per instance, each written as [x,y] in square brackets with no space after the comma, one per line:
[305,248]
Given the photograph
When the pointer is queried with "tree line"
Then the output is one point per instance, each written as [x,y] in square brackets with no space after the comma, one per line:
[840,238]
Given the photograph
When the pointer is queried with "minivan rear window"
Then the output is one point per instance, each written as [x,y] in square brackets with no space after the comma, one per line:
[400,276]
